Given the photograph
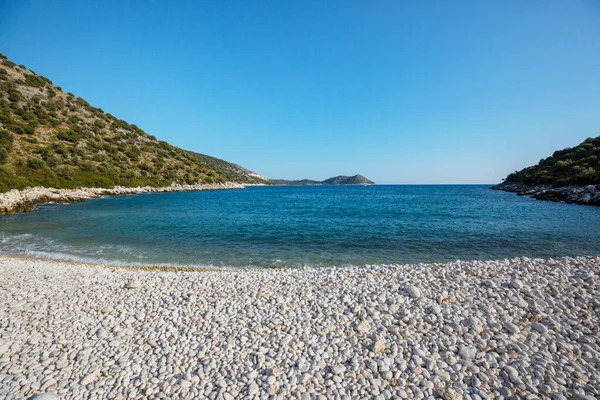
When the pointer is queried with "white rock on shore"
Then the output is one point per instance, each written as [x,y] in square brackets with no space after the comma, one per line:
[77,331]
[25,200]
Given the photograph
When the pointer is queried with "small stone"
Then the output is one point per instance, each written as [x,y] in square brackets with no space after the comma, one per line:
[44,396]
[512,328]
[536,326]
[89,378]
[49,383]
[413,291]
[467,352]
[517,284]
[338,369]
[435,309]
[379,345]
[363,327]
[185,384]
[134,284]
[253,389]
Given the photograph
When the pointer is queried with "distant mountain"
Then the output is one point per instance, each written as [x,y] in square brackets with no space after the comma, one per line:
[301,182]
[348,180]
[57,140]
[231,172]
[336,180]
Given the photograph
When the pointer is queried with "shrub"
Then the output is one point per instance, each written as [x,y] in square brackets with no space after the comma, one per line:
[100,124]
[99,157]
[52,161]
[8,170]
[15,96]
[35,163]
[82,102]
[69,136]
[6,140]
[3,155]
[34,80]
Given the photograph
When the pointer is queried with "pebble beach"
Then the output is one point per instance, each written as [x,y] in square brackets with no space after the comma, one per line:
[510,329]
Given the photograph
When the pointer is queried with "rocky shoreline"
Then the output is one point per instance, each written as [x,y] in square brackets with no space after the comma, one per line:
[587,195]
[520,328]
[16,201]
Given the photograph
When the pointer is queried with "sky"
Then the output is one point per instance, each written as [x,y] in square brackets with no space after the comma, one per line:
[399,91]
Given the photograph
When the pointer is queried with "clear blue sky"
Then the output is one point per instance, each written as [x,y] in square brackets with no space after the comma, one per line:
[399,91]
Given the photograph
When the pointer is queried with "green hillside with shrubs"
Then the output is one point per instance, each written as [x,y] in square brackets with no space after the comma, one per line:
[577,166]
[55,139]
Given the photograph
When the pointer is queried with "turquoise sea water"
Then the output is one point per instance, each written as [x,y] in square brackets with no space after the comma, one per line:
[296,226]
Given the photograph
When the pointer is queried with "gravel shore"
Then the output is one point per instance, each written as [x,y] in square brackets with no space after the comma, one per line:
[16,201]
[517,328]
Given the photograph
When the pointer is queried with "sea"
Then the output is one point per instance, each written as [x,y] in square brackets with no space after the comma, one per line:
[298,226]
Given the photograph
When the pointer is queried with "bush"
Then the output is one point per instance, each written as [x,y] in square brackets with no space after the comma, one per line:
[3,155]
[34,80]
[35,163]
[15,96]
[52,161]
[6,140]
[69,136]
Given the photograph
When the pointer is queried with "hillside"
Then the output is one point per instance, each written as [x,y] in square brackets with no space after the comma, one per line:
[231,172]
[54,139]
[576,166]
[571,175]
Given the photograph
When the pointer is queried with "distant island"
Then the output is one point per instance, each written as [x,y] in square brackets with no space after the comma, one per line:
[336,180]
[571,175]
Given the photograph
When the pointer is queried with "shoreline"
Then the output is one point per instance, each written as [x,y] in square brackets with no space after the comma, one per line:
[588,195]
[17,201]
[479,329]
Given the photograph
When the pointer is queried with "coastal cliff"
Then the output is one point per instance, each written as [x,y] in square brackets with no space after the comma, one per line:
[571,175]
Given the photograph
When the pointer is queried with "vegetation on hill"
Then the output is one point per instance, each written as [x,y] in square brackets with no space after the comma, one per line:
[576,166]
[231,172]
[54,139]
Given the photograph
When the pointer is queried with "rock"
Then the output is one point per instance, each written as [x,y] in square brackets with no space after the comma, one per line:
[253,389]
[467,352]
[44,396]
[512,328]
[517,284]
[584,275]
[379,345]
[536,326]
[363,327]
[134,284]
[89,378]
[413,291]
[185,383]
[338,369]
[48,384]
[435,309]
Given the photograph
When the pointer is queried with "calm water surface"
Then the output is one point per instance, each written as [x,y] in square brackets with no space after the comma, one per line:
[295,226]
